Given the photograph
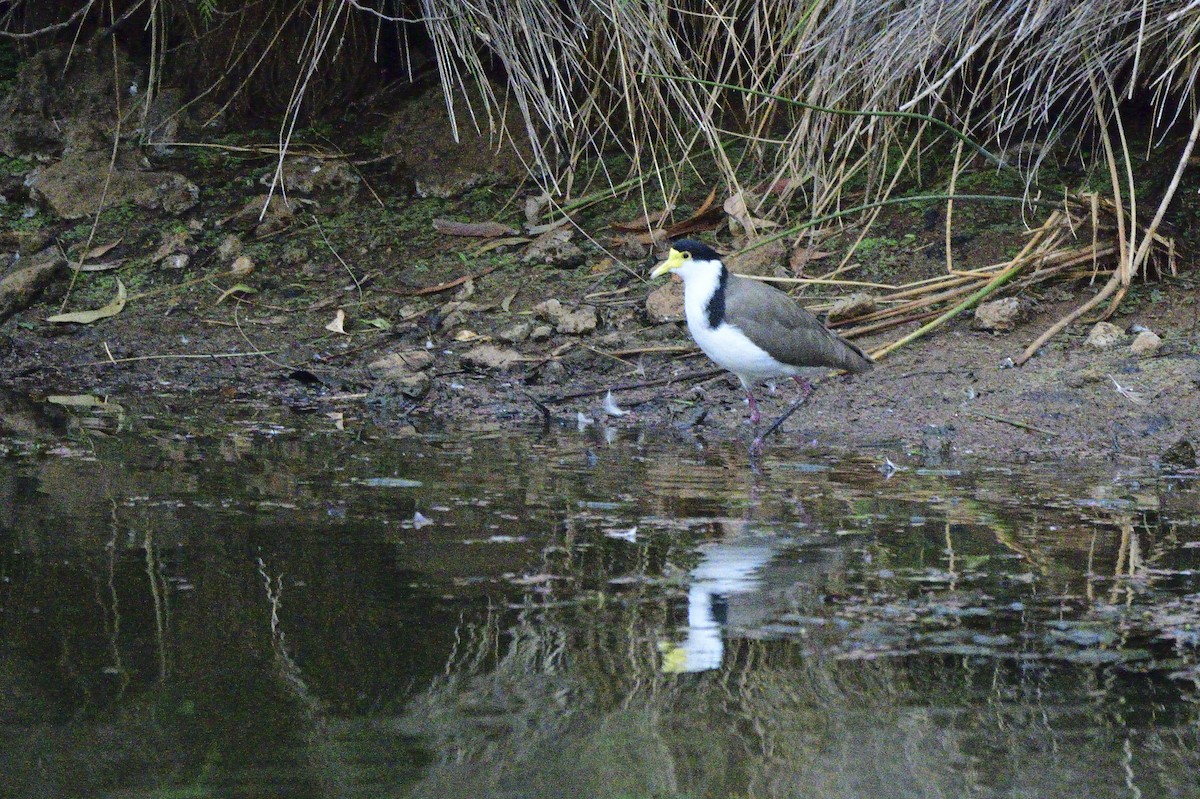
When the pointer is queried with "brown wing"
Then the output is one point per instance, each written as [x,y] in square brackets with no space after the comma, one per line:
[777,323]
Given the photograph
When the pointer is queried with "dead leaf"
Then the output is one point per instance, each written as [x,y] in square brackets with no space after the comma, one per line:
[236,289]
[781,186]
[706,217]
[96,251]
[534,204]
[647,221]
[801,256]
[738,211]
[480,230]
[466,335]
[735,206]
[495,244]
[85,401]
[538,230]
[171,244]
[103,267]
[378,322]
[338,325]
[87,317]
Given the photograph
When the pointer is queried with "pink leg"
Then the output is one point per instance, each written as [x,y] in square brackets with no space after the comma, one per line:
[755,417]
[806,387]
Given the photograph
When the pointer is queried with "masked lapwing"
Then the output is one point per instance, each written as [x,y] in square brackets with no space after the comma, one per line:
[752,329]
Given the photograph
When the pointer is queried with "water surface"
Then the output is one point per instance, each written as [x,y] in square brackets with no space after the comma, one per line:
[241,603]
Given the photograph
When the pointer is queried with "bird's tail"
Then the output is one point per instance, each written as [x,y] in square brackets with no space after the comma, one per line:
[852,357]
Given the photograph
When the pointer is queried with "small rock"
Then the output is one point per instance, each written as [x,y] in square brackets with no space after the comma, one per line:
[400,364]
[307,175]
[241,266]
[762,261]
[855,305]
[1145,343]
[581,320]
[179,260]
[1104,336]
[414,386]
[489,356]
[541,333]
[21,287]
[999,315]
[79,185]
[665,303]
[554,248]
[229,247]
[173,242]
[517,333]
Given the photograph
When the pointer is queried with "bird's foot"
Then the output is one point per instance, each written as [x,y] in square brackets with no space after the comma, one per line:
[755,416]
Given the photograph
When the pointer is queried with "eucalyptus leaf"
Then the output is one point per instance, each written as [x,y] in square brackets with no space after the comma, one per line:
[87,317]
[235,289]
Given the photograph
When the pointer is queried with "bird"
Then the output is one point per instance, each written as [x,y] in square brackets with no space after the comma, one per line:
[752,329]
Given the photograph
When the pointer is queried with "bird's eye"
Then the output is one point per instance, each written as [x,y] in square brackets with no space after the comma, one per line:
[687,255]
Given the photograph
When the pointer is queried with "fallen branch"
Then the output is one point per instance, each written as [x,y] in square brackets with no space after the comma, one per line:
[1113,284]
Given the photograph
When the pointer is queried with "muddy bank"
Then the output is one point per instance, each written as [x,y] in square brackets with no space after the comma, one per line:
[940,400]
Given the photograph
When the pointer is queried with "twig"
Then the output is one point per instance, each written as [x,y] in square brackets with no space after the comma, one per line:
[187,356]
[646,350]
[345,265]
[79,12]
[995,417]
[458,281]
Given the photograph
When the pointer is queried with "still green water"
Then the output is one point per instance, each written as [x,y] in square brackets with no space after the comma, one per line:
[247,604]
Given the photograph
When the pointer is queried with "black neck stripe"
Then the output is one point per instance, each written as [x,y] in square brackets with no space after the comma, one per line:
[716,303]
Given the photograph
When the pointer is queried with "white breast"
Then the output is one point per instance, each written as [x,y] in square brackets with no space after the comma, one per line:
[727,345]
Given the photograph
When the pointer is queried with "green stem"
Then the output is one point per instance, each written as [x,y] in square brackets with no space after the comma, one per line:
[999,198]
[970,302]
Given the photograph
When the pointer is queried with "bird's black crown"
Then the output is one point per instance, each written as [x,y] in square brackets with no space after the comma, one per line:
[698,250]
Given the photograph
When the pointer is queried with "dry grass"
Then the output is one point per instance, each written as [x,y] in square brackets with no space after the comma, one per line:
[820,105]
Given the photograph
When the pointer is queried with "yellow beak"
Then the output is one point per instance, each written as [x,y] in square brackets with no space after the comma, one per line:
[673,262]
